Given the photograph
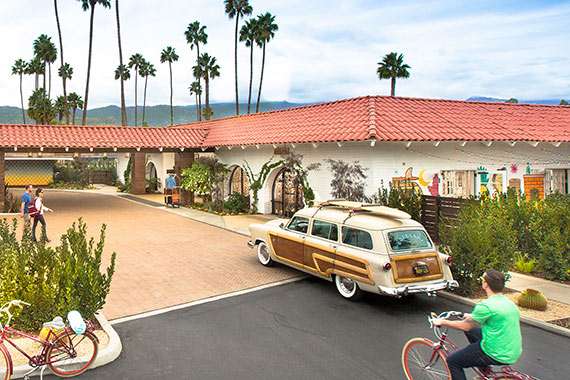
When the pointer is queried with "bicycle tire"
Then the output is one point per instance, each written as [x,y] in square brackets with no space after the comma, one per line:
[5,363]
[416,357]
[72,354]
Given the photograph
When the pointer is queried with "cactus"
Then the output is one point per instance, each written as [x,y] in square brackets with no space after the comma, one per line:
[532,299]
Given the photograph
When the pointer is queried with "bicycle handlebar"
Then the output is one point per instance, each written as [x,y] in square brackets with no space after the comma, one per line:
[443,315]
[6,309]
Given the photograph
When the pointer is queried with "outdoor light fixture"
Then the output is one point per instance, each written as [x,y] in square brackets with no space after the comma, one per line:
[67,149]
[160,149]
[463,143]
[41,148]
[408,144]
[114,149]
[15,149]
[513,143]
[242,147]
[315,145]
[91,149]
[105,154]
[40,154]
[30,154]
[339,144]
[372,142]
[138,148]
[182,149]
[436,143]
[76,154]
[257,146]
[293,146]
[127,155]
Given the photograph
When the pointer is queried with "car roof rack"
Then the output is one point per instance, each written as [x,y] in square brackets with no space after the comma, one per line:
[371,208]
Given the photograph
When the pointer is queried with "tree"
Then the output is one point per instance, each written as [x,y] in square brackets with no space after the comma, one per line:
[40,107]
[19,68]
[35,67]
[75,102]
[266,31]
[60,108]
[123,105]
[44,51]
[169,55]
[196,34]
[86,5]
[63,77]
[196,89]
[563,102]
[512,100]
[65,70]
[348,180]
[136,61]
[208,69]
[147,69]
[248,34]
[392,67]
[237,9]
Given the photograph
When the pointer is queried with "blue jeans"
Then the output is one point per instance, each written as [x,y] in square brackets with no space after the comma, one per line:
[470,356]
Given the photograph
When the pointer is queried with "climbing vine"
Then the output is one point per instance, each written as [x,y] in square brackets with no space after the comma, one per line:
[256,181]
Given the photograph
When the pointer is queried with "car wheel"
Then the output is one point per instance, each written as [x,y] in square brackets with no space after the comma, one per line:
[348,288]
[263,255]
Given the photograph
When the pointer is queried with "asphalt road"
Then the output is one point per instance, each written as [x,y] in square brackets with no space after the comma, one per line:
[303,330]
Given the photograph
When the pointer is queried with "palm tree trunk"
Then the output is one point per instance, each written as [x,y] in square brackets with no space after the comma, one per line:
[236,70]
[199,85]
[44,99]
[261,79]
[393,91]
[49,86]
[84,118]
[207,83]
[197,110]
[144,102]
[123,106]
[74,109]
[63,77]
[22,100]
[250,76]
[136,76]
[171,112]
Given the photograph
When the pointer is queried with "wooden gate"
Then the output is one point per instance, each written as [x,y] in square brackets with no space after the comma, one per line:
[436,210]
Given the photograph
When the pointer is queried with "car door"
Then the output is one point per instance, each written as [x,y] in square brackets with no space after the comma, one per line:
[320,246]
[288,242]
[351,257]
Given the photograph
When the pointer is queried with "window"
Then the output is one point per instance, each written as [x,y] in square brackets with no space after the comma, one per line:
[325,230]
[299,224]
[356,238]
[407,240]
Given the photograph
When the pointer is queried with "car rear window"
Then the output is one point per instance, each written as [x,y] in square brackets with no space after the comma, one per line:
[325,230]
[356,238]
[299,224]
[406,240]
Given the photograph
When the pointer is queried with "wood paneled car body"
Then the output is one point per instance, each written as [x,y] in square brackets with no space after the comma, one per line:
[360,247]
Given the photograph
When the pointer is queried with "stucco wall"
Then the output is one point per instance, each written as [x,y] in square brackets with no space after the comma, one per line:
[421,161]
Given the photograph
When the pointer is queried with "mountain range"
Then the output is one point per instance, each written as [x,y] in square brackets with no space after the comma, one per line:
[160,115]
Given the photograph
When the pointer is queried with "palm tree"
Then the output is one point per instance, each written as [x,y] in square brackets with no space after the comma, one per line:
[169,55]
[51,57]
[43,50]
[75,102]
[64,78]
[196,34]
[237,9]
[35,67]
[65,71]
[136,61]
[266,31]
[19,68]
[60,108]
[147,69]
[196,89]
[248,33]
[209,69]
[86,5]
[40,108]
[392,67]
[123,105]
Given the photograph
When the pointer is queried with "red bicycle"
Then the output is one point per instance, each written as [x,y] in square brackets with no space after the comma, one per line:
[423,358]
[66,353]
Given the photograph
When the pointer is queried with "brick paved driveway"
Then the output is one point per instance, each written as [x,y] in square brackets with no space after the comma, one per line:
[162,259]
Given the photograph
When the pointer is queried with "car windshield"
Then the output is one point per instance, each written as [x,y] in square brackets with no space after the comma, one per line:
[406,240]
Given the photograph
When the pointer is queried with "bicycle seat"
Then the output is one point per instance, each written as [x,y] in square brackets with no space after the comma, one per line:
[56,324]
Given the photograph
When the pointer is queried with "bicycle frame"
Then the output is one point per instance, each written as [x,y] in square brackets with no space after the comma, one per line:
[36,360]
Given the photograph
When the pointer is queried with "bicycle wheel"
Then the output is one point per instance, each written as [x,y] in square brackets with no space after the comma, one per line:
[4,363]
[421,361]
[72,354]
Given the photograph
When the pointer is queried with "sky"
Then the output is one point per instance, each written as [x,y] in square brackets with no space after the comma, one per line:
[324,49]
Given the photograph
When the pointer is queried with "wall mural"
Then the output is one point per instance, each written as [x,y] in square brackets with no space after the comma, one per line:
[409,181]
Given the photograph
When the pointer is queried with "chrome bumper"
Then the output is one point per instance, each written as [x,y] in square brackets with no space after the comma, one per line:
[250,244]
[429,289]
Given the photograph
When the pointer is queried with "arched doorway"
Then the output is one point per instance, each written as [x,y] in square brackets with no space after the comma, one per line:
[151,178]
[287,194]
[239,183]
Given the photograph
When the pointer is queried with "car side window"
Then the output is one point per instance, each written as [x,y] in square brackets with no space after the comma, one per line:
[356,238]
[299,224]
[325,230]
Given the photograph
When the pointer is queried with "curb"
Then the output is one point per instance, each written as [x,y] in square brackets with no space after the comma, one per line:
[105,356]
[524,319]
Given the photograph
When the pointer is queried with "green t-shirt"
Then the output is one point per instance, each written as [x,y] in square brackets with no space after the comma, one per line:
[499,319]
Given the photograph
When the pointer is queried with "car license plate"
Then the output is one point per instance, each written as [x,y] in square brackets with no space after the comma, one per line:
[421,269]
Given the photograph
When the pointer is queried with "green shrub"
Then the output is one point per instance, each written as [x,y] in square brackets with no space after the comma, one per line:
[236,203]
[481,238]
[524,264]
[522,213]
[71,174]
[552,232]
[12,203]
[404,198]
[54,281]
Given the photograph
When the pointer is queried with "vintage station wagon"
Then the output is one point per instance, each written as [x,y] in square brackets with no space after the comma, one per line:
[360,247]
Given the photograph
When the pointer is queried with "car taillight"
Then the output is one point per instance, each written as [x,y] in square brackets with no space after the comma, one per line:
[449,259]
[387,266]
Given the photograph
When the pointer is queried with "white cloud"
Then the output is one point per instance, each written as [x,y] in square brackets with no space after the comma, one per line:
[323,50]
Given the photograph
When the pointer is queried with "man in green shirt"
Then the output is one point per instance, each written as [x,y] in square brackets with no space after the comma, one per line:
[493,330]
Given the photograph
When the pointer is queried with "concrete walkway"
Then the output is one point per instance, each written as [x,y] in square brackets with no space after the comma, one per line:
[552,290]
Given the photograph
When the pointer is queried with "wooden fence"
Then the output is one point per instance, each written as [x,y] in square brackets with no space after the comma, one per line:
[100,176]
[437,209]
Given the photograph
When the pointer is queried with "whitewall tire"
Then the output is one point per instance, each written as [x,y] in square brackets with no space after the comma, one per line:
[347,288]
[264,255]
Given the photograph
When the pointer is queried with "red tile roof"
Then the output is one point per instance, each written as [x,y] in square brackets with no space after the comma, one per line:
[381,118]
[386,118]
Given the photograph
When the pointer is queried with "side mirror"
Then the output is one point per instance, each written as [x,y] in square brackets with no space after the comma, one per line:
[282,225]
